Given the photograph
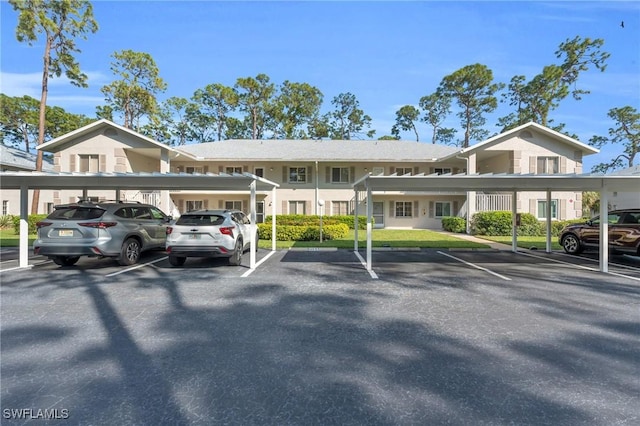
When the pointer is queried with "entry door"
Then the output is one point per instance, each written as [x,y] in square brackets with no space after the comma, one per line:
[378,214]
[259,211]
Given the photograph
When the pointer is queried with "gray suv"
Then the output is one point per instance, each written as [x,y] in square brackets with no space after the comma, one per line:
[122,230]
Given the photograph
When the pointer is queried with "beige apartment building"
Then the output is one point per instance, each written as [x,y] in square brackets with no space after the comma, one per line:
[310,171]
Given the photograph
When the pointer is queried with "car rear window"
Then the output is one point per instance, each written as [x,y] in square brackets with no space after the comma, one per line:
[76,213]
[200,219]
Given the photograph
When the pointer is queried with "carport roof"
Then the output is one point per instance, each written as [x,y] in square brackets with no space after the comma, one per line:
[207,181]
[499,182]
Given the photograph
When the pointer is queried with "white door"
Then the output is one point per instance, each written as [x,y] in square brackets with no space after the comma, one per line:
[378,214]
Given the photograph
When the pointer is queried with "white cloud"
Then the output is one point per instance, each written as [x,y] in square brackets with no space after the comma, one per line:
[29,84]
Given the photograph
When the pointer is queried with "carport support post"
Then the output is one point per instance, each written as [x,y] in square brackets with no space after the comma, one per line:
[252,245]
[355,222]
[24,226]
[548,221]
[273,219]
[604,230]
[369,215]
[514,222]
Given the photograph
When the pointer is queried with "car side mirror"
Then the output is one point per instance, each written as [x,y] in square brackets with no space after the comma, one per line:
[590,222]
[168,219]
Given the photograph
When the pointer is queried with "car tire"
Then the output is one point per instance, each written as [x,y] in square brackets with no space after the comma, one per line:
[65,260]
[177,261]
[571,244]
[130,252]
[236,258]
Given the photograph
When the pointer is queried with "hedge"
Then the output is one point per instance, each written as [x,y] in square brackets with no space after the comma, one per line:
[303,232]
[454,224]
[310,220]
[499,223]
[32,220]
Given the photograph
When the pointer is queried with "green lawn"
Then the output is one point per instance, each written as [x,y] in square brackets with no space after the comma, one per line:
[526,242]
[8,238]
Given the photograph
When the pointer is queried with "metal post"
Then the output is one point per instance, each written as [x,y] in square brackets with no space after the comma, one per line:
[24,226]
[252,246]
[514,222]
[355,222]
[548,223]
[273,219]
[369,215]
[604,230]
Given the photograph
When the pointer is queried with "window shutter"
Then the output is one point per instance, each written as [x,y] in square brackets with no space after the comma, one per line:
[416,170]
[205,169]
[180,205]
[205,204]
[455,209]
[352,174]
[563,210]
[72,163]
[392,209]
[220,204]
[392,170]
[309,174]
[307,207]
[327,174]
[284,175]
[245,168]
[432,209]
[102,163]
[220,169]
[532,164]
[532,207]
[563,165]
[416,210]
[284,207]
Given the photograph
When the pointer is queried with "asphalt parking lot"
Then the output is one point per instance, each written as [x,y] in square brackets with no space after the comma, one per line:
[311,337]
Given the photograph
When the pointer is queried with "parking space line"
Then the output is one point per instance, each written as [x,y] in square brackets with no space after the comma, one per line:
[579,266]
[476,266]
[136,267]
[588,259]
[364,263]
[260,262]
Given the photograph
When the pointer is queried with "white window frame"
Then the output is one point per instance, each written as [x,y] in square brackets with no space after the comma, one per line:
[377,171]
[442,170]
[233,169]
[293,206]
[233,205]
[344,178]
[5,207]
[90,159]
[544,164]
[193,169]
[295,171]
[405,171]
[194,204]
[541,206]
[261,174]
[442,205]
[406,209]
[338,206]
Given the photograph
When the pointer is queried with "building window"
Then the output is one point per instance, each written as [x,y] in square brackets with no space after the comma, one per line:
[542,209]
[339,175]
[403,171]
[259,171]
[443,209]
[297,174]
[233,169]
[5,207]
[297,207]
[340,208]
[547,165]
[404,209]
[442,170]
[192,170]
[233,205]
[89,163]
[194,205]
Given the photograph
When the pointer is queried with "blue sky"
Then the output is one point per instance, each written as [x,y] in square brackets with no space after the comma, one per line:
[388,54]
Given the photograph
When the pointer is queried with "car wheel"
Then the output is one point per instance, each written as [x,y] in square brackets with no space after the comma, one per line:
[130,252]
[571,244]
[65,260]
[236,257]
[177,261]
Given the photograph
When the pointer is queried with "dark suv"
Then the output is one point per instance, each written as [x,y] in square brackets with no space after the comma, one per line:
[624,233]
[118,229]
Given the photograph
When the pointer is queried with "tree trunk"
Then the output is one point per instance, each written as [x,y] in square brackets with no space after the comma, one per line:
[41,119]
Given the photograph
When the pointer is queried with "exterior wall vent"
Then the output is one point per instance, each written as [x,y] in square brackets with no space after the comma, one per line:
[525,134]
[110,132]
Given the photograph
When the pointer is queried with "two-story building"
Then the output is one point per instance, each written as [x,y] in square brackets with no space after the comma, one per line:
[312,170]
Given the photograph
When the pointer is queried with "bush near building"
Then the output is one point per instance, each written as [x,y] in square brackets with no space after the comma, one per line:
[303,232]
[303,220]
[32,220]
[498,223]
[454,224]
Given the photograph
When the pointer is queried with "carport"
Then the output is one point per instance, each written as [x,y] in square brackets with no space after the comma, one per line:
[498,182]
[24,181]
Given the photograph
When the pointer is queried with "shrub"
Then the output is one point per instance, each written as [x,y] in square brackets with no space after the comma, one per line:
[6,221]
[454,224]
[303,232]
[499,223]
[32,220]
[310,220]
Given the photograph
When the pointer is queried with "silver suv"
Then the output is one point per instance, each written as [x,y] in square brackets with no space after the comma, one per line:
[209,233]
[122,230]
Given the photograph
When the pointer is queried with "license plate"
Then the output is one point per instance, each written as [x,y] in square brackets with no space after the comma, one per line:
[65,233]
[194,236]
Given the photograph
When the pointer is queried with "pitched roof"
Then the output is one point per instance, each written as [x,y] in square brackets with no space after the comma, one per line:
[18,159]
[311,150]
[631,171]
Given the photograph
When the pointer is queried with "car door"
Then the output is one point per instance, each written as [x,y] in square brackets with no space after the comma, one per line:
[625,234]
[243,224]
[147,226]
[161,221]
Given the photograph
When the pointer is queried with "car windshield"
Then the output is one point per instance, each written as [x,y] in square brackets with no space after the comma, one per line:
[200,219]
[76,213]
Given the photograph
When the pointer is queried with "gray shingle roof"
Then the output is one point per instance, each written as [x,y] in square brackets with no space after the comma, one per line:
[631,171]
[310,150]
[20,160]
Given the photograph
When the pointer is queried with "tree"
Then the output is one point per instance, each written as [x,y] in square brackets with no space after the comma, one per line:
[625,132]
[19,120]
[473,88]
[209,116]
[347,120]
[60,22]
[406,118]
[134,95]
[295,106]
[254,97]
[534,100]
[436,108]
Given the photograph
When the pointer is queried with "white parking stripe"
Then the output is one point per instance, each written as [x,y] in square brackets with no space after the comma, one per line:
[579,266]
[364,263]
[246,274]
[136,267]
[476,266]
